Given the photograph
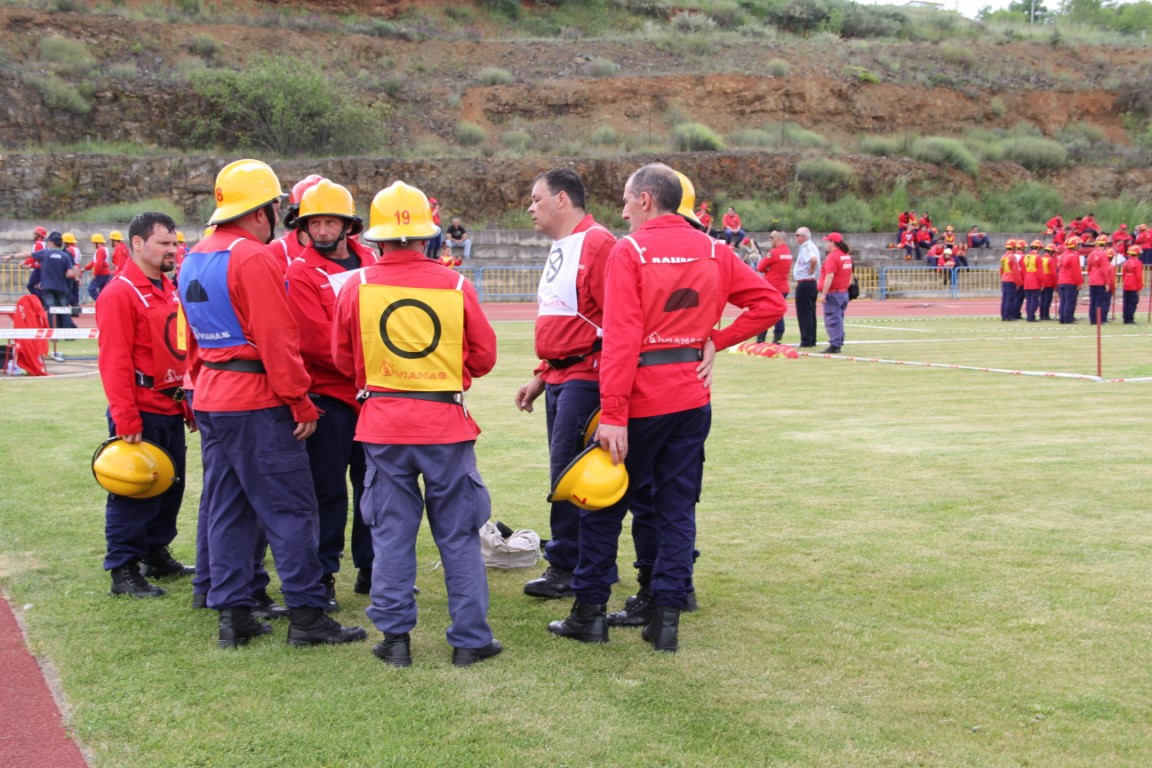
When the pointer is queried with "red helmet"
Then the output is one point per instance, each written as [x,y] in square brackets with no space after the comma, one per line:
[40,232]
[1037,244]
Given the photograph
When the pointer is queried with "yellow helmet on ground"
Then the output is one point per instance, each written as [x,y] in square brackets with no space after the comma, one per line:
[242,187]
[687,199]
[402,213]
[136,470]
[591,481]
[115,235]
[69,238]
[97,238]
[328,199]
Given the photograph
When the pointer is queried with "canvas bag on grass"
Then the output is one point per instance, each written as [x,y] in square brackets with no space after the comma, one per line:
[520,550]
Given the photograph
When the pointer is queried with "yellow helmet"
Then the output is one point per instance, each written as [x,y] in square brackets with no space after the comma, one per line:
[687,199]
[69,238]
[591,426]
[136,470]
[591,481]
[242,187]
[179,236]
[402,213]
[115,235]
[1102,240]
[97,238]
[325,198]
[209,230]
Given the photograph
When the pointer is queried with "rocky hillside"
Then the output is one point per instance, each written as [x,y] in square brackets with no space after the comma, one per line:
[554,93]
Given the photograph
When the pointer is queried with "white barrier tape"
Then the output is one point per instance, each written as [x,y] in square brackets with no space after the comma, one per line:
[49,333]
[1043,374]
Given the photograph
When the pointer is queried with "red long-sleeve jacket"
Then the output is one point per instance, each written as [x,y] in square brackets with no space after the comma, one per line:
[126,346]
[1133,274]
[312,299]
[1100,269]
[776,267]
[408,421]
[671,294]
[120,256]
[1068,269]
[99,264]
[256,290]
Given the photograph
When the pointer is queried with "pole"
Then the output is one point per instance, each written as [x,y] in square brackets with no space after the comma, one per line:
[1149,297]
[1099,355]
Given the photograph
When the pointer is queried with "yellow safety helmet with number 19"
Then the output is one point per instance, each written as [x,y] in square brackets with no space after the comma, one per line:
[328,199]
[591,481]
[400,212]
[244,186]
[687,199]
[136,470]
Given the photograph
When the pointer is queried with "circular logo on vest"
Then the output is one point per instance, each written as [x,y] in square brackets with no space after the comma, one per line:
[555,261]
[170,335]
[415,304]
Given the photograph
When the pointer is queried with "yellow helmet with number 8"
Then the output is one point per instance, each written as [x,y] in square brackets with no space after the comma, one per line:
[242,187]
[400,212]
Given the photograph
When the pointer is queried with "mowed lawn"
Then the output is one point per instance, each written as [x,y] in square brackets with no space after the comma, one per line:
[901,566]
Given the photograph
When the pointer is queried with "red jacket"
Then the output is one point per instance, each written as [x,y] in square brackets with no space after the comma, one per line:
[1068,269]
[312,299]
[1144,239]
[1100,269]
[732,221]
[99,263]
[256,290]
[407,421]
[286,249]
[127,344]
[1047,270]
[1010,269]
[672,296]
[839,265]
[559,336]
[1133,273]
[776,267]
[120,256]
[1033,274]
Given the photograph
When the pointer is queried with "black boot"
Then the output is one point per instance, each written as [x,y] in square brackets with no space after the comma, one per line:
[637,608]
[587,623]
[329,582]
[267,608]
[237,626]
[556,582]
[199,600]
[127,580]
[663,628]
[160,563]
[363,585]
[311,627]
[394,650]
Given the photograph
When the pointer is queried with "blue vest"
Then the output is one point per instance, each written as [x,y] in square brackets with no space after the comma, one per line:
[207,304]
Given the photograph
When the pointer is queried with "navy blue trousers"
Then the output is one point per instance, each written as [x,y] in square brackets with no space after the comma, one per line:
[1131,302]
[1046,303]
[1032,297]
[458,505]
[132,527]
[256,472]
[1007,300]
[670,450]
[568,407]
[1099,301]
[1018,307]
[332,452]
[1068,295]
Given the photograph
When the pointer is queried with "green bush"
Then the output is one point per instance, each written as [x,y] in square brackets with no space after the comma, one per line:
[602,67]
[204,45]
[750,137]
[494,76]
[695,137]
[68,57]
[124,70]
[689,22]
[604,136]
[125,211]
[1022,207]
[823,174]
[944,151]
[1081,134]
[1035,153]
[58,94]
[882,146]
[469,134]
[285,105]
[861,74]
[515,140]
[794,136]
[778,68]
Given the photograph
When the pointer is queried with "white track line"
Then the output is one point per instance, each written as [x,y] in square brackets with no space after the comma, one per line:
[949,366]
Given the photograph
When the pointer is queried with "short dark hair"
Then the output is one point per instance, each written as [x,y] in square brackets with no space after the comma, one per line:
[144,224]
[567,181]
[662,183]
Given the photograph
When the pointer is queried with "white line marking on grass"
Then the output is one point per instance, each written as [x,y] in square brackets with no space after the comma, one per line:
[950,366]
[888,328]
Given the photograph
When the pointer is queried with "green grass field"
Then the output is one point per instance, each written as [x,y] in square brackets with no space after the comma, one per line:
[902,566]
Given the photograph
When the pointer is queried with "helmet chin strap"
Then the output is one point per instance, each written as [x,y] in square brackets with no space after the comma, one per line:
[327,249]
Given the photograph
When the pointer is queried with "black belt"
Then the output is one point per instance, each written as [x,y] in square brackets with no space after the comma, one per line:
[673,355]
[571,360]
[242,366]
[146,381]
[452,398]
[806,280]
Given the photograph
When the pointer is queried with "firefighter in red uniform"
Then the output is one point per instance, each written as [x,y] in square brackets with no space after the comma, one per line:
[295,240]
[119,250]
[666,288]
[253,412]
[101,272]
[1047,280]
[414,333]
[1101,280]
[1133,274]
[327,215]
[1033,276]
[776,267]
[1069,278]
[568,338]
[1008,279]
[142,370]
